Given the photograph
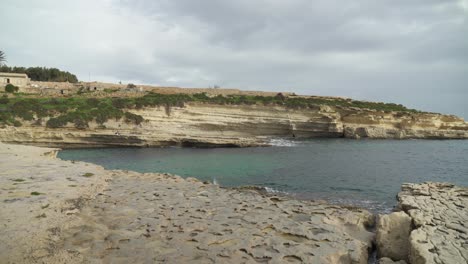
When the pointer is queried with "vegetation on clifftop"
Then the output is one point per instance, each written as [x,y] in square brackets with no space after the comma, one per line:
[80,110]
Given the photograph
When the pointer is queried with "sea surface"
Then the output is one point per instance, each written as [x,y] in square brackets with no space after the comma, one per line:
[365,173]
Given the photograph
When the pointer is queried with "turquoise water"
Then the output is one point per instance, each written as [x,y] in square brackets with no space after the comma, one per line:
[366,173]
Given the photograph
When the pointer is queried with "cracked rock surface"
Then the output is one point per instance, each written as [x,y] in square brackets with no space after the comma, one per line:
[439,213]
[148,218]
[55,211]
[39,196]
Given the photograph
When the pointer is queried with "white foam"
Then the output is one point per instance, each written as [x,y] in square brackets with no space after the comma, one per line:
[271,190]
[280,142]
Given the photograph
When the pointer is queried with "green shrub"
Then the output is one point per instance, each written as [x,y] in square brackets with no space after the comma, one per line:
[121,103]
[17,123]
[107,112]
[107,90]
[80,123]
[56,122]
[10,88]
[92,102]
[136,119]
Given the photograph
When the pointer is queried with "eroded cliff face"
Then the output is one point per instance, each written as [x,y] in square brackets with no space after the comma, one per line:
[374,124]
[239,125]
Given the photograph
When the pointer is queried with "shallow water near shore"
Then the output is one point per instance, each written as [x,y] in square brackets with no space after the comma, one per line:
[364,173]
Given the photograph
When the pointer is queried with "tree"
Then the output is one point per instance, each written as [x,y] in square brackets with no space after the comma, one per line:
[2,57]
[42,74]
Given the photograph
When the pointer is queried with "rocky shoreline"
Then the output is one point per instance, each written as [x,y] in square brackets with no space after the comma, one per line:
[55,211]
[432,226]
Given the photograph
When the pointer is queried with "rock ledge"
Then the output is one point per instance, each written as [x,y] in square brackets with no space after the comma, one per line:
[439,220]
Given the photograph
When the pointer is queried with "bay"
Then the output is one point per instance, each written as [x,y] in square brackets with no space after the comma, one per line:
[365,173]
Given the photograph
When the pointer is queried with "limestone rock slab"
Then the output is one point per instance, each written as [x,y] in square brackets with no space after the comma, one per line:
[439,212]
[392,238]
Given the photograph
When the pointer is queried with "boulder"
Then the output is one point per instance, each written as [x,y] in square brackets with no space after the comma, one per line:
[393,233]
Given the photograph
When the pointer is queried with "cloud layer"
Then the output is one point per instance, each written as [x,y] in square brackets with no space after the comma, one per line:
[411,52]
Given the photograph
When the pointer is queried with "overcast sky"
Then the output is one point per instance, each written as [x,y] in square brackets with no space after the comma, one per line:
[413,52]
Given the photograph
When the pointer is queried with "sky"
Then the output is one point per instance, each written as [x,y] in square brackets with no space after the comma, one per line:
[413,52]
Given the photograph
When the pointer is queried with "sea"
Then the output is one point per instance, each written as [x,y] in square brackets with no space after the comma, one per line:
[363,173]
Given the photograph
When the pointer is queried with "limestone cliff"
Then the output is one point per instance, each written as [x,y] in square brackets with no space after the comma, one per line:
[199,124]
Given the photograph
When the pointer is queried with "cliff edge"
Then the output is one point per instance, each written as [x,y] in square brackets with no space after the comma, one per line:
[203,121]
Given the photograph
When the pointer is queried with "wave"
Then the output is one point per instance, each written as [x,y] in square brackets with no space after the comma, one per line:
[371,205]
[271,190]
[215,182]
[280,142]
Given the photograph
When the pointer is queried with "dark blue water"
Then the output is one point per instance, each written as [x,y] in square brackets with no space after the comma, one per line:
[365,173]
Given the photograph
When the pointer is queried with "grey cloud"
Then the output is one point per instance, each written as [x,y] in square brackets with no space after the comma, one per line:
[412,52]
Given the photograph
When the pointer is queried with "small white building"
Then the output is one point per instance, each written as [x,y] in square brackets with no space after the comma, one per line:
[17,79]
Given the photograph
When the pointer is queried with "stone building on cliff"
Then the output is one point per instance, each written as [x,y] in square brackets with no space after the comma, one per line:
[17,79]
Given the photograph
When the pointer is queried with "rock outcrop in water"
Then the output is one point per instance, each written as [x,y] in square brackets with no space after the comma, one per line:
[202,125]
[439,231]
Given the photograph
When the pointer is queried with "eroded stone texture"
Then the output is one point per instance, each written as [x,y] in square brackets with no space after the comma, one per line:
[439,212]
[39,196]
[166,219]
[159,218]
[390,261]
[393,232]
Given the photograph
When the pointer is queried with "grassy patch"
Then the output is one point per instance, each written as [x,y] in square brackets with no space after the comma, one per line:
[18,180]
[78,111]
[45,206]
[36,193]
[107,90]
[43,215]
[88,174]
[72,185]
